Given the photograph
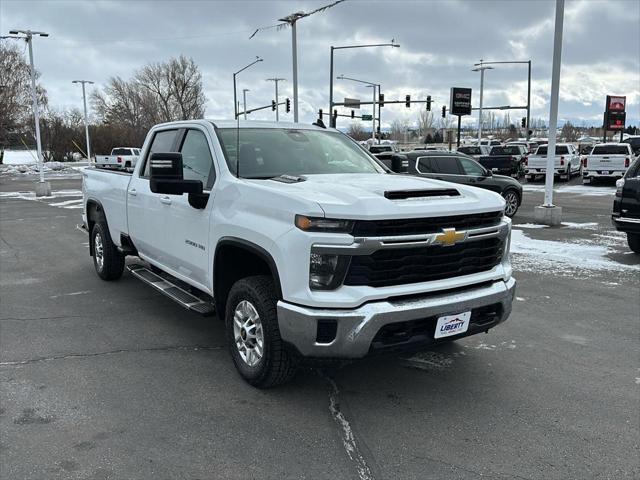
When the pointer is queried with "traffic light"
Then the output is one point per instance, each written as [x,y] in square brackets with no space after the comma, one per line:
[444,111]
[353,113]
[524,122]
[407,101]
[381,99]
[273,105]
[428,103]
[288,105]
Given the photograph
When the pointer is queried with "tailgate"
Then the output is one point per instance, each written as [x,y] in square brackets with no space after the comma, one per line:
[605,162]
[498,161]
[540,161]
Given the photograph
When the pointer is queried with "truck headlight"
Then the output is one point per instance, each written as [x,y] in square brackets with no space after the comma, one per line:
[319,224]
[326,272]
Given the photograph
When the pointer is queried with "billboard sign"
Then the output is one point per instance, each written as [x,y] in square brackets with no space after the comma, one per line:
[616,103]
[460,101]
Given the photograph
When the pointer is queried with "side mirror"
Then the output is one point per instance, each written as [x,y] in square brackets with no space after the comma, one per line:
[166,175]
[488,173]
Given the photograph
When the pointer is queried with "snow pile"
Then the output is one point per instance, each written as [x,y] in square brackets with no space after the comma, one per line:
[563,258]
[19,157]
[605,190]
[32,168]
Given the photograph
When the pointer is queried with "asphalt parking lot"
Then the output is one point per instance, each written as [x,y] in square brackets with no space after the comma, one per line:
[114,381]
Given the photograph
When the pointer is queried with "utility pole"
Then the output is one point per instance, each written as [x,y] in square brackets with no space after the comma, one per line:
[244,101]
[276,80]
[43,188]
[235,93]
[86,119]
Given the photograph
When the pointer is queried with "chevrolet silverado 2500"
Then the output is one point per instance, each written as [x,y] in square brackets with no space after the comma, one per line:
[303,243]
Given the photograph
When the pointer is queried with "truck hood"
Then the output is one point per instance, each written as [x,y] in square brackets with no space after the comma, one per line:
[362,196]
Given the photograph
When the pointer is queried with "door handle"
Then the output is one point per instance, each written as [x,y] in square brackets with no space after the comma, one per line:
[133,192]
[166,200]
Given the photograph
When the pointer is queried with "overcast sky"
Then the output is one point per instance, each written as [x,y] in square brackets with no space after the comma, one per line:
[440,41]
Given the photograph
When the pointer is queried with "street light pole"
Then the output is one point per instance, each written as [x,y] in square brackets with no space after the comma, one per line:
[392,44]
[373,85]
[235,93]
[528,62]
[244,101]
[86,119]
[481,68]
[43,188]
[276,80]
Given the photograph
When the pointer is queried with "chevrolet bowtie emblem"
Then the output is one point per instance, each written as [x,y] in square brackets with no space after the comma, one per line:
[449,237]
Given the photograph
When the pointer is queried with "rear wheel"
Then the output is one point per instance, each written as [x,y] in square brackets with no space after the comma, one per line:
[633,239]
[107,259]
[253,336]
[512,202]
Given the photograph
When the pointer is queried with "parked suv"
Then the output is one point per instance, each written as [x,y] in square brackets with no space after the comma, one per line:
[626,206]
[458,168]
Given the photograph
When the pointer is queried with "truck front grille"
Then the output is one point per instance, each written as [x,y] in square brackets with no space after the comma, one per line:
[424,264]
[420,226]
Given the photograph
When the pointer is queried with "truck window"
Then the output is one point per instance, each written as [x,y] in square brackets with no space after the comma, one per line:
[470,150]
[121,151]
[197,163]
[610,150]
[163,142]
[560,150]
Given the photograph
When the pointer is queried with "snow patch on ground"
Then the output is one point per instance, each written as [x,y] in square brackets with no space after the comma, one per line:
[534,255]
[581,226]
[604,190]
[530,225]
[49,168]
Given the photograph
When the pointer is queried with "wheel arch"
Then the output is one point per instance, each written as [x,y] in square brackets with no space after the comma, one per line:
[243,258]
[94,211]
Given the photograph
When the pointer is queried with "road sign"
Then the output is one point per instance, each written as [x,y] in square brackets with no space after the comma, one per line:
[352,103]
[460,102]
[366,117]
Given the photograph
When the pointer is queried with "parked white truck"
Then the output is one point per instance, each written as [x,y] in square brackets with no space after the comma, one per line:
[121,157]
[607,160]
[566,162]
[303,243]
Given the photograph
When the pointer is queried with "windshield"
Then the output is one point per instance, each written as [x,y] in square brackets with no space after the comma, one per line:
[272,152]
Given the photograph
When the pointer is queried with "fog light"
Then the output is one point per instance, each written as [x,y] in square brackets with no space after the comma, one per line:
[326,272]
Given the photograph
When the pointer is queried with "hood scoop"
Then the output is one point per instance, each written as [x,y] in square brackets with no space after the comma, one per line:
[436,192]
[288,179]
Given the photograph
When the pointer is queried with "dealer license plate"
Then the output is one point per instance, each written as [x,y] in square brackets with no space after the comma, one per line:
[450,325]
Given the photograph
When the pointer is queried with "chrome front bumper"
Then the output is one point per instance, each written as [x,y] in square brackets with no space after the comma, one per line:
[356,328]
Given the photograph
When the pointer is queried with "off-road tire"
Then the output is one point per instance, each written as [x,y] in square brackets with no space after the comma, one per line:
[278,364]
[633,239]
[112,258]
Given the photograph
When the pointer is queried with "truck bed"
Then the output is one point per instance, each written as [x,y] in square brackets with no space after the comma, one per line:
[109,187]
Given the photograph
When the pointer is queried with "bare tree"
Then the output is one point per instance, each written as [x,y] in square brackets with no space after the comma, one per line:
[357,132]
[15,92]
[426,122]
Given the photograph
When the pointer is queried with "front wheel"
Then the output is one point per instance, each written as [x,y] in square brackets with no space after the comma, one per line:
[107,259]
[512,202]
[253,336]
[633,239]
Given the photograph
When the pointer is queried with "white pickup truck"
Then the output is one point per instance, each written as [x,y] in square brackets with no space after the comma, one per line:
[566,162]
[303,243]
[607,160]
[121,157]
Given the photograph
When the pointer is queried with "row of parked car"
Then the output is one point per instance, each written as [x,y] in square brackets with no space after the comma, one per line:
[498,167]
